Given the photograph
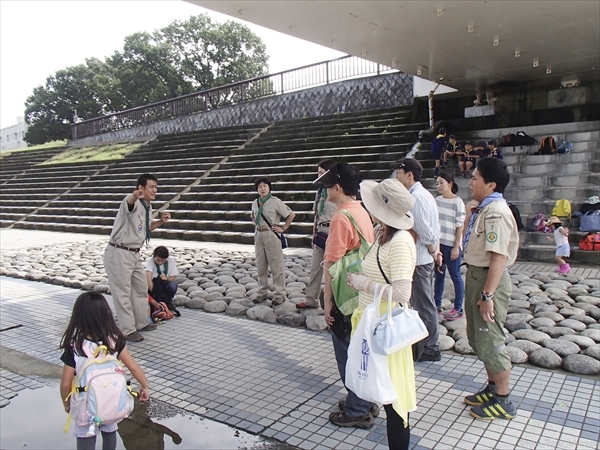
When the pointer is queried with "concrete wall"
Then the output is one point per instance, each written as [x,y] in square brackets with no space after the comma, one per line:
[12,137]
[360,94]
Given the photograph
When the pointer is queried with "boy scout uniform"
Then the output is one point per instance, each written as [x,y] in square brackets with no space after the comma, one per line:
[494,230]
[126,277]
[267,247]
[316,271]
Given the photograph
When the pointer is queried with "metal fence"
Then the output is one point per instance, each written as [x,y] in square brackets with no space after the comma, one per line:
[318,74]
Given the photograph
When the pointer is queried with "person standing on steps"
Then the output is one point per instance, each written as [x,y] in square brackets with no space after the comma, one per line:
[438,147]
[491,243]
[324,210]
[126,276]
[561,240]
[427,228]
[267,211]
[451,209]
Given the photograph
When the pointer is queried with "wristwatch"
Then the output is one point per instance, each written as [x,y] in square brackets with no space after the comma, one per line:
[486,297]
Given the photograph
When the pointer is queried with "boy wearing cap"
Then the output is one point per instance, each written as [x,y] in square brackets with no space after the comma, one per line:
[561,239]
[491,242]
[437,148]
[427,227]
[342,182]
[468,157]
[452,147]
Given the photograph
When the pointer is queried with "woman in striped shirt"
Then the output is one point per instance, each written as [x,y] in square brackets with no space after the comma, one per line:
[451,210]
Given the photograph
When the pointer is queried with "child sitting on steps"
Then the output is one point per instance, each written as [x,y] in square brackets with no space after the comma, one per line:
[561,239]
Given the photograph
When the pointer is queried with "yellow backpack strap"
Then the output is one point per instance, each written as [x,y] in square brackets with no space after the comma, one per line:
[68,424]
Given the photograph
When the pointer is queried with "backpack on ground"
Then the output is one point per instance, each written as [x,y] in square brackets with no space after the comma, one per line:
[564,147]
[547,146]
[522,138]
[508,140]
[562,208]
[101,392]
[590,242]
[517,215]
[537,224]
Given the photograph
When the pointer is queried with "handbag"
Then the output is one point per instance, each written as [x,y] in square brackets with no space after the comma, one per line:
[367,372]
[282,237]
[346,298]
[320,239]
[590,221]
[397,329]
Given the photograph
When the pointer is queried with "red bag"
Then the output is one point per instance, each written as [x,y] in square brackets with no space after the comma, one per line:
[161,313]
[590,242]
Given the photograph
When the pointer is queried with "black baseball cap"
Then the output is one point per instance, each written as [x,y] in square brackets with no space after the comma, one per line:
[409,165]
[344,174]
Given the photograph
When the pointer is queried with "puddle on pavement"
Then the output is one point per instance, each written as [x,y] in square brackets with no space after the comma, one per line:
[34,419]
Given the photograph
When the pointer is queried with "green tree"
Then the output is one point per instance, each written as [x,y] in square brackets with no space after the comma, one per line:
[181,58]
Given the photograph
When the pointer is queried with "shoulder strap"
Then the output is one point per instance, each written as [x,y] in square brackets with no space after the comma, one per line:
[381,268]
[354,224]
[265,219]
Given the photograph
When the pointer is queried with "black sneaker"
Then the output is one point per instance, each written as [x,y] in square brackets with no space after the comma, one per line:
[480,398]
[374,408]
[342,419]
[426,357]
[494,409]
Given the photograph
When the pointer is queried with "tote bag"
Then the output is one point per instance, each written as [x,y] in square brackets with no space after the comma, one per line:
[368,373]
[346,298]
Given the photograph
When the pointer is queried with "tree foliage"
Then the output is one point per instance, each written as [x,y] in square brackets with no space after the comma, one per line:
[181,58]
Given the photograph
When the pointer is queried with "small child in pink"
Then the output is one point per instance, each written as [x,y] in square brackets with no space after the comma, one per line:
[561,239]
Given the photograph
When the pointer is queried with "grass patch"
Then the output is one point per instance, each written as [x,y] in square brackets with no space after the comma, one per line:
[92,153]
[47,145]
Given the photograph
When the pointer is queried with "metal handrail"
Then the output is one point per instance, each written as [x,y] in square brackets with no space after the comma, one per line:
[304,77]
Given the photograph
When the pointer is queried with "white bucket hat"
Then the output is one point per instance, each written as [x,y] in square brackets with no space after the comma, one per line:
[389,201]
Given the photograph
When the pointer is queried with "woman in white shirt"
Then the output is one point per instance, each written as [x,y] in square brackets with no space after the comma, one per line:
[451,210]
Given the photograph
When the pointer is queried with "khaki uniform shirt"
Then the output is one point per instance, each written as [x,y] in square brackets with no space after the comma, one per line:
[495,231]
[274,210]
[129,228]
[329,209]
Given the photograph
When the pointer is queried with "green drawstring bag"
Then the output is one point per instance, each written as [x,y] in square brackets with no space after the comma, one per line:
[346,298]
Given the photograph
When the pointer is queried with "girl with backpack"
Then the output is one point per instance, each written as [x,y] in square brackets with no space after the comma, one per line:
[92,325]
[451,211]
[561,239]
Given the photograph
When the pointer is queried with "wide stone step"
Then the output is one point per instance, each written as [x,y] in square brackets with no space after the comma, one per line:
[189,204]
[539,237]
[539,168]
[536,252]
[245,226]
[294,240]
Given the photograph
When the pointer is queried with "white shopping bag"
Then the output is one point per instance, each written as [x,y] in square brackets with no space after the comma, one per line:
[368,373]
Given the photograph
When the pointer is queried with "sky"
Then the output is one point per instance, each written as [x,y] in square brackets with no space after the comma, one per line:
[37,38]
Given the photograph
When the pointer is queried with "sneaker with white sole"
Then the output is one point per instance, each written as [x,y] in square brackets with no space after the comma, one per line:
[480,398]
[454,314]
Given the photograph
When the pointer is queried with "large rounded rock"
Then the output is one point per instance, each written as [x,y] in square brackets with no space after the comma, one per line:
[577,290]
[519,304]
[294,319]
[212,296]
[453,325]
[593,351]
[539,299]
[462,346]
[457,335]
[581,364]
[546,358]
[543,307]
[262,313]
[591,333]
[556,331]
[558,284]
[542,322]
[588,299]
[180,300]
[316,322]
[555,317]
[195,303]
[582,341]
[531,335]
[561,347]
[446,342]
[514,325]
[586,320]
[237,309]
[573,324]
[517,296]
[216,306]
[570,311]
[526,346]
[517,356]
[594,313]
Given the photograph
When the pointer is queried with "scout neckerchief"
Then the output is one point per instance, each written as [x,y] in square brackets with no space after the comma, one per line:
[261,202]
[166,272]
[322,200]
[493,197]
[147,208]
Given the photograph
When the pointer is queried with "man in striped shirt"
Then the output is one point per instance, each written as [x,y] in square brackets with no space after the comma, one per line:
[427,228]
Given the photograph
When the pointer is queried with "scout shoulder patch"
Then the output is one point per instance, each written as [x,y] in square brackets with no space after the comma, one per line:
[492,236]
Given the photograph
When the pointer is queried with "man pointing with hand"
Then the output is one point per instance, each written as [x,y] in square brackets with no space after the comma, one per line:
[122,263]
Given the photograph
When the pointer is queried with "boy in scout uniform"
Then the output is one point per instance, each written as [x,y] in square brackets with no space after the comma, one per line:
[122,263]
[266,213]
[491,241]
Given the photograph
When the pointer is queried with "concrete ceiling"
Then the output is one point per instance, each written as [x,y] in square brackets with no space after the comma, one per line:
[468,43]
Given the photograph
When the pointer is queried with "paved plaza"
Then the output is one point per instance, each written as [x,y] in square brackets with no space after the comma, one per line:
[281,382]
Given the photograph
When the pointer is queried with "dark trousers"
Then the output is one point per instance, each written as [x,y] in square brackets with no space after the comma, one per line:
[398,435]
[109,442]
[163,291]
[422,301]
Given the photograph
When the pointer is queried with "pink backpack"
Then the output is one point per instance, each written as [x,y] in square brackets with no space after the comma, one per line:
[101,393]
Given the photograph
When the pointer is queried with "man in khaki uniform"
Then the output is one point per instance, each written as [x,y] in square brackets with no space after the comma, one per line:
[122,262]
[324,210]
[491,242]
[267,245]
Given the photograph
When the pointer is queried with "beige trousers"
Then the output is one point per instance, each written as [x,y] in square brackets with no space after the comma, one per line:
[316,277]
[267,248]
[128,287]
